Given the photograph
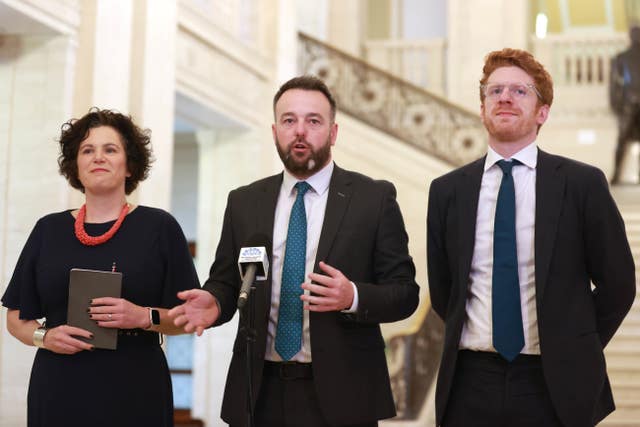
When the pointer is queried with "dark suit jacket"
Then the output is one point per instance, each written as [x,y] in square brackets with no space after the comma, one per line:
[579,239]
[363,235]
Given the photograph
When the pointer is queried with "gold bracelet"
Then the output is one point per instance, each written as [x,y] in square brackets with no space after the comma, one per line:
[38,336]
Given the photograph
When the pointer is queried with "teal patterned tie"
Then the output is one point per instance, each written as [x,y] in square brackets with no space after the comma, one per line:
[289,329]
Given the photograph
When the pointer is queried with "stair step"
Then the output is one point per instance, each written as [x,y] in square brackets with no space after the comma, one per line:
[617,346]
[623,342]
[610,421]
[627,403]
[630,328]
[631,322]
[634,312]
[628,332]
[626,363]
[622,351]
[626,392]
[623,377]
[624,415]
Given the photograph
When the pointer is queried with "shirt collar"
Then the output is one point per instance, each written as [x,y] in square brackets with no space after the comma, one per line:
[319,181]
[528,156]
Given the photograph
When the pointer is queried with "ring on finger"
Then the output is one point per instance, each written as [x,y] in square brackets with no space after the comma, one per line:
[109,316]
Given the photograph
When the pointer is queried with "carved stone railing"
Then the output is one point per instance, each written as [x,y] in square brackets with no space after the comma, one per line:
[580,67]
[421,62]
[397,107]
[413,361]
[579,60]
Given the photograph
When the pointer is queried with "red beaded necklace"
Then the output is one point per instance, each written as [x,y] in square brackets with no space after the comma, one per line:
[85,239]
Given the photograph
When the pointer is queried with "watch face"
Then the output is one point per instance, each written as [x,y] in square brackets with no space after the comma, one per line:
[155,317]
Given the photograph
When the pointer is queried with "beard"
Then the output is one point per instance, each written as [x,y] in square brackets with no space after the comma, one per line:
[507,132]
[308,165]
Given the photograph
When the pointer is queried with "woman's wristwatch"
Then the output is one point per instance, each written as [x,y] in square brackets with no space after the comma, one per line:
[154,318]
[38,336]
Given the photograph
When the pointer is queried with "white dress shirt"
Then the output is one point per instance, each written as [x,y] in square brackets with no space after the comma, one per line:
[315,203]
[477,330]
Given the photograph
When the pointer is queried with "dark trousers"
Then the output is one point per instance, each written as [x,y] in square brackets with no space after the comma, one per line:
[287,398]
[488,391]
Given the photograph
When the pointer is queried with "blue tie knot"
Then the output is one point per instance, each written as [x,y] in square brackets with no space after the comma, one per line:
[302,187]
[506,165]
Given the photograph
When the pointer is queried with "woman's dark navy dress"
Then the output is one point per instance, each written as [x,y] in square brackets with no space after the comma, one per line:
[129,386]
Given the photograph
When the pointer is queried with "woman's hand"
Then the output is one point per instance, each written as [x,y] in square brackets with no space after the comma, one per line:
[119,313]
[62,339]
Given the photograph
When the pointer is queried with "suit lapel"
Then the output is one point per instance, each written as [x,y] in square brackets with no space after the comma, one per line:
[265,204]
[550,188]
[337,202]
[264,210]
[467,194]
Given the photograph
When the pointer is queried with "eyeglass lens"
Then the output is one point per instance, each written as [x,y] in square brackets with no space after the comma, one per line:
[516,90]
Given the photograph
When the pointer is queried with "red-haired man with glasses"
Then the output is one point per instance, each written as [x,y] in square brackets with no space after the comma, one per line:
[529,266]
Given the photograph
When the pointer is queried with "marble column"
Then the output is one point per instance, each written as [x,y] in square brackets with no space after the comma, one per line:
[35,99]
[152,97]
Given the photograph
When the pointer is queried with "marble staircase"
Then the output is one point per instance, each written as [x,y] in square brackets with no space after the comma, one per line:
[623,352]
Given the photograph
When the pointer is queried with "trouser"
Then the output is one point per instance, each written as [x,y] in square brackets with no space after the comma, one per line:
[488,391]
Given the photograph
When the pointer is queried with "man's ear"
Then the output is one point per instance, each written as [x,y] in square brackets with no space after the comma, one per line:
[542,114]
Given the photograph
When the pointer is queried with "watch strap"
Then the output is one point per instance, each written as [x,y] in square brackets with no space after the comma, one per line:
[154,317]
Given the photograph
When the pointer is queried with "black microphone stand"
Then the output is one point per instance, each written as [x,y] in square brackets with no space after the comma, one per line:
[247,321]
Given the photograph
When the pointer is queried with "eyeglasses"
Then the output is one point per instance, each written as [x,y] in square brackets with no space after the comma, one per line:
[516,90]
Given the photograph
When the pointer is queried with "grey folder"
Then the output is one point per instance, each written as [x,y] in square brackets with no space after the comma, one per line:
[84,285]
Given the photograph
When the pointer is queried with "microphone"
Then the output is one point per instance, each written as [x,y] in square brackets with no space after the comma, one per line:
[253,263]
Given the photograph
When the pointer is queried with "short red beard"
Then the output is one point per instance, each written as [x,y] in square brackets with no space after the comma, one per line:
[512,132]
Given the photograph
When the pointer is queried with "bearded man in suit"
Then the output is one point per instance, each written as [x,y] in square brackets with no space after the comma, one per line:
[529,267]
[322,364]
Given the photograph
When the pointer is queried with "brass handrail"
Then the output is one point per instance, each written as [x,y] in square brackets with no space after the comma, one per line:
[409,113]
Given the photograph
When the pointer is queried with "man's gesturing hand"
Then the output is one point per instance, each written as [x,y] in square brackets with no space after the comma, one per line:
[330,292]
[199,311]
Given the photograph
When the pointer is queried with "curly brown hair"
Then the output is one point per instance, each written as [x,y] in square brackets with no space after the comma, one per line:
[136,142]
[522,59]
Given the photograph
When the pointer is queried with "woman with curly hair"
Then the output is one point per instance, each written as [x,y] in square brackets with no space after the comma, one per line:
[73,383]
